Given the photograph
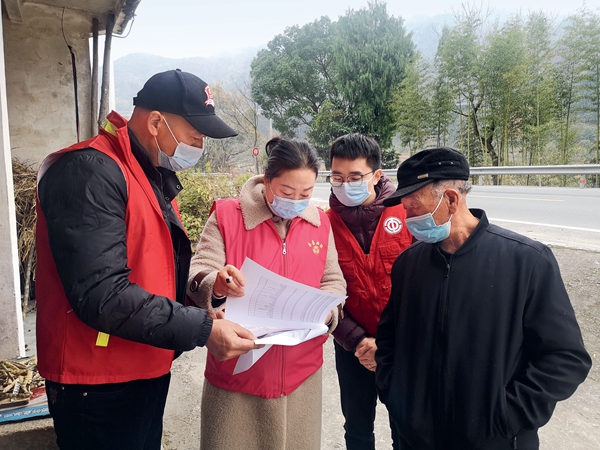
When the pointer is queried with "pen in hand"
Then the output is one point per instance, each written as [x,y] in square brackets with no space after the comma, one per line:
[229,282]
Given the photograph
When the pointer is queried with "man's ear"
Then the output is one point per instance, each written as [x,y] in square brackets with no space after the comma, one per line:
[378,174]
[453,200]
[154,118]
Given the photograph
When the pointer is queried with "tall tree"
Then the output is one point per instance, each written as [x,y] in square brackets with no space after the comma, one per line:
[591,75]
[343,71]
[503,74]
[459,63]
[371,51]
[411,107]
[442,106]
[569,76]
[539,90]
[293,77]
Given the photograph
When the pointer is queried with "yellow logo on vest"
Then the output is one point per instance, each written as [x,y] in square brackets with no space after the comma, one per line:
[316,246]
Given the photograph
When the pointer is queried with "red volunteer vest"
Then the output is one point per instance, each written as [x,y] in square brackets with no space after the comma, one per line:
[282,368]
[368,276]
[67,349]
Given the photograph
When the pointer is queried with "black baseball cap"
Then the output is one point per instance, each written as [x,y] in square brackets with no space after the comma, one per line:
[427,166]
[185,95]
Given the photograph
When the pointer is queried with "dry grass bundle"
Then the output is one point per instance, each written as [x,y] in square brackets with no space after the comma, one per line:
[24,179]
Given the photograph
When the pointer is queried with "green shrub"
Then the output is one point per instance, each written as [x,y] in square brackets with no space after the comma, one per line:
[200,190]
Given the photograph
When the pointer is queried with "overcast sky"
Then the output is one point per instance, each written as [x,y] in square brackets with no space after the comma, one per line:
[187,28]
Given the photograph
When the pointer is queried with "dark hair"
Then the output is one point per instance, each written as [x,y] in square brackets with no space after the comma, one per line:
[289,154]
[354,146]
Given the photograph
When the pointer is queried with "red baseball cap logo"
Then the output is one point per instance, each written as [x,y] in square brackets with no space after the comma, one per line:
[209,97]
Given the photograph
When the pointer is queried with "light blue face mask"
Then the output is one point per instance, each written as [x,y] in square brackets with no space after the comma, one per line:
[352,195]
[424,229]
[184,157]
[287,208]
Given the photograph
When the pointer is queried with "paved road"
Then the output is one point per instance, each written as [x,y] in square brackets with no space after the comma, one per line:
[565,217]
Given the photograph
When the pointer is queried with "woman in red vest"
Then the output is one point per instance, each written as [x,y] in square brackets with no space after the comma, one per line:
[276,404]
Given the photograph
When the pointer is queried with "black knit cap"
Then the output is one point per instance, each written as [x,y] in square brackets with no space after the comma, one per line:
[185,95]
[425,167]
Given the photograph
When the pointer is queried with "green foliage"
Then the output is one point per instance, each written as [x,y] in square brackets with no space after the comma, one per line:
[199,192]
[371,51]
[389,159]
[333,77]
[328,124]
[292,78]
[411,108]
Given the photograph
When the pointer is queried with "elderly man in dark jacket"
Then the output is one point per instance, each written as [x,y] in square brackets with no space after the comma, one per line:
[479,340]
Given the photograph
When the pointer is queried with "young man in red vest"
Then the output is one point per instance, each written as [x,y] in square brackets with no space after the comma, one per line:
[113,261]
[368,237]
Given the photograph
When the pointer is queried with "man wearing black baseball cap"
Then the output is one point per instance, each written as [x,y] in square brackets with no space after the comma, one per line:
[113,261]
[479,340]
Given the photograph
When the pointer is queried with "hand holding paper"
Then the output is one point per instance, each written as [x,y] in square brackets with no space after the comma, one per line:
[278,310]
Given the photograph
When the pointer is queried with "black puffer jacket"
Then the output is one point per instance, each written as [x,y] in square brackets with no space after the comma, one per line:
[476,348]
[83,196]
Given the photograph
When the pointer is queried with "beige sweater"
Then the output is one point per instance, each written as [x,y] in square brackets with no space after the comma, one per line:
[210,251]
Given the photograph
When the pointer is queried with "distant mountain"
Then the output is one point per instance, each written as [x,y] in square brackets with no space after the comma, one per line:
[132,71]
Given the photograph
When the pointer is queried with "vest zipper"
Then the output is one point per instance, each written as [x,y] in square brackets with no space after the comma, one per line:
[515,442]
[284,249]
[282,392]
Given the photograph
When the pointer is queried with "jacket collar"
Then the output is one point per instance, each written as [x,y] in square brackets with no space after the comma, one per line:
[255,209]
[471,241]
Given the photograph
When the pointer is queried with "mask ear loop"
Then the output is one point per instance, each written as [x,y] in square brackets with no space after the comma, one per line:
[170,131]
[436,208]
[439,203]
[158,146]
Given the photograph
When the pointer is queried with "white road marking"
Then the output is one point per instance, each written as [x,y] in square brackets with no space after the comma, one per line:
[545,225]
[516,198]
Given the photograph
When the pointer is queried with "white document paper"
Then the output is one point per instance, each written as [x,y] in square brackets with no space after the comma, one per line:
[278,310]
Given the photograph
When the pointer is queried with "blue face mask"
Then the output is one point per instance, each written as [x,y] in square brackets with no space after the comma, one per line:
[424,229]
[352,195]
[287,208]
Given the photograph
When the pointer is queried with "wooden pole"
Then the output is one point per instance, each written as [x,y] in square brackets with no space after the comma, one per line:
[110,24]
[94,108]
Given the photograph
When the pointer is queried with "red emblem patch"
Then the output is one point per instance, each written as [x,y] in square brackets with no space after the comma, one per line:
[209,97]
[392,225]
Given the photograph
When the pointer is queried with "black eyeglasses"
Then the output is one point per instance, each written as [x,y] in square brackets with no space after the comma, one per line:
[352,180]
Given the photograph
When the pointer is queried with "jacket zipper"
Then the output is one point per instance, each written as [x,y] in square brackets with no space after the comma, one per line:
[515,442]
[443,312]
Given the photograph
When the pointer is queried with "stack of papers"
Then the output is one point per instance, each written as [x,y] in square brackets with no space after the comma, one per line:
[278,311]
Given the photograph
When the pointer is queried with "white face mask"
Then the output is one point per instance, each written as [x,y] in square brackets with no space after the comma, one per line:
[184,157]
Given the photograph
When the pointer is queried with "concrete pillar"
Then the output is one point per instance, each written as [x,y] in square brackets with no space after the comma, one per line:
[12,340]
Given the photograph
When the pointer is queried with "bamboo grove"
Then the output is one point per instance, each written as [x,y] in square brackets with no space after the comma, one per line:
[524,90]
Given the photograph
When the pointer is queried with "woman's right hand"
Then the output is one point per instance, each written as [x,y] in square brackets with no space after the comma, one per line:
[229,282]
